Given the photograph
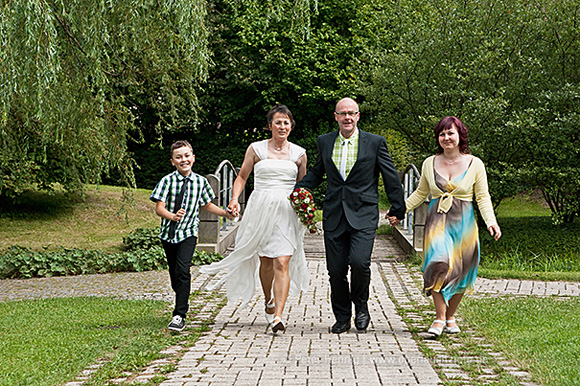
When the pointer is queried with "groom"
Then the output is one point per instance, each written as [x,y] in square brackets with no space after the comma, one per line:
[352,160]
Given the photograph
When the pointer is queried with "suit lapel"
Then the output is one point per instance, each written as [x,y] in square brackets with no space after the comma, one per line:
[362,145]
[330,149]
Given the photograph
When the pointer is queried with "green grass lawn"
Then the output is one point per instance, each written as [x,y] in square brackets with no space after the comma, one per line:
[49,342]
[531,247]
[540,335]
[523,205]
[97,220]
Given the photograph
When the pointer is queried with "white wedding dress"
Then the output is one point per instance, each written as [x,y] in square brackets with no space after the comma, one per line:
[269,227]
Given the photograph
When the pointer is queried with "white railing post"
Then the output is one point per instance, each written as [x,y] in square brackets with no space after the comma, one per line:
[410,235]
[217,233]
[406,194]
[208,233]
[226,174]
[411,179]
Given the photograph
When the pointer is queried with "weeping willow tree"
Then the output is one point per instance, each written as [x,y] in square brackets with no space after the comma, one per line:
[81,78]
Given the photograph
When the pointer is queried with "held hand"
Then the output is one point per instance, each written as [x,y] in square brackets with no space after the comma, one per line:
[229,215]
[234,207]
[179,215]
[495,231]
[393,221]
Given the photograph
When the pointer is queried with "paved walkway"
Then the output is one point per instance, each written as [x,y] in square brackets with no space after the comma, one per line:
[525,287]
[241,350]
[127,285]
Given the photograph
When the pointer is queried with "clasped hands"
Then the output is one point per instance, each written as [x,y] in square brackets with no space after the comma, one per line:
[393,220]
[234,208]
[234,211]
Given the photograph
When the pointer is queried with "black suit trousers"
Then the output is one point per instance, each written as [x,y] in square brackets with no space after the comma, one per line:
[179,258]
[346,248]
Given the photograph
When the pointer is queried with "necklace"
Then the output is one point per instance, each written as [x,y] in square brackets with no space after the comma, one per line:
[278,148]
[451,162]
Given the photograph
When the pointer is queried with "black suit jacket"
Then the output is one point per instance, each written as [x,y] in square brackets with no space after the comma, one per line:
[357,197]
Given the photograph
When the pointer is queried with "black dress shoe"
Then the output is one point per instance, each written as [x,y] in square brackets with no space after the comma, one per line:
[362,320]
[340,327]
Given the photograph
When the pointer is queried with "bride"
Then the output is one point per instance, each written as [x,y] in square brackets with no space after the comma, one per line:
[269,232]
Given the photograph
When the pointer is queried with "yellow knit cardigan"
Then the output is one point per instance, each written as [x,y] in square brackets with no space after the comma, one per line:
[474,182]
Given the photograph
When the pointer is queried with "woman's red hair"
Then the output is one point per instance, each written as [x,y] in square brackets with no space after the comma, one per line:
[447,123]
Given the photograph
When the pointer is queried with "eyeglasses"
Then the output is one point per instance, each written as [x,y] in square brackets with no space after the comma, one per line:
[345,113]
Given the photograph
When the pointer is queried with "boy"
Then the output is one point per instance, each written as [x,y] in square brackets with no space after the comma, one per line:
[178,197]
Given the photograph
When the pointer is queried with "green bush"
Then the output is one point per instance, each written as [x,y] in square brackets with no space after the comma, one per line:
[142,238]
[202,257]
[143,252]
[148,238]
[22,262]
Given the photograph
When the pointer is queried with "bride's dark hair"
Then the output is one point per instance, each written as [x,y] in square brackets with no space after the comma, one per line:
[282,109]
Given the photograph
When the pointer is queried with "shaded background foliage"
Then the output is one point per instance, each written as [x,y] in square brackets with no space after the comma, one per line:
[261,59]
[508,69]
[92,89]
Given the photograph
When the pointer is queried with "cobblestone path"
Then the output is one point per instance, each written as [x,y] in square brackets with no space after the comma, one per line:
[240,349]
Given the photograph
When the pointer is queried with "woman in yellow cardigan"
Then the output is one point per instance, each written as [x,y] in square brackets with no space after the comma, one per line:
[451,249]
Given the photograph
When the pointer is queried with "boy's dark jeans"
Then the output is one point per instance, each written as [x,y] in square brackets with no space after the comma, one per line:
[179,258]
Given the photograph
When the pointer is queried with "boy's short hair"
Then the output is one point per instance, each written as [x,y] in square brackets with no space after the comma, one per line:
[180,144]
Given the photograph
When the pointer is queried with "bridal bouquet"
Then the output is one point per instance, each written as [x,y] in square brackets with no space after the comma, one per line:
[303,205]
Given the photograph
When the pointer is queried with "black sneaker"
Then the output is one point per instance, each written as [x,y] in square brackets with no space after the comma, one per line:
[177,323]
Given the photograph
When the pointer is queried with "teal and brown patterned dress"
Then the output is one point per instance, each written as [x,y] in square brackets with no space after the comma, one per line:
[451,245]
[451,242]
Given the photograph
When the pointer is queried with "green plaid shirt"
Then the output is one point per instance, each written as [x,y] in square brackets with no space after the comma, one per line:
[351,149]
[198,193]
